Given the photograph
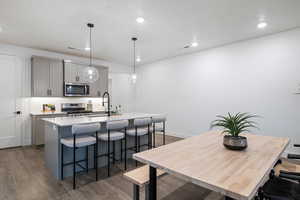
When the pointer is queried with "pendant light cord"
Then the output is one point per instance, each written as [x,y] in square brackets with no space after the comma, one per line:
[134,56]
[90,46]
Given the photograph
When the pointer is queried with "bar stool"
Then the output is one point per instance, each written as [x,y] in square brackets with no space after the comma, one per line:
[141,128]
[81,138]
[114,134]
[159,119]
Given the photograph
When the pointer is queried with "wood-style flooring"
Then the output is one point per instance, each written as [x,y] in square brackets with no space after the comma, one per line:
[23,176]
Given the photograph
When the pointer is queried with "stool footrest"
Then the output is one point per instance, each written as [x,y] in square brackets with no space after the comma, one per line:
[77,161]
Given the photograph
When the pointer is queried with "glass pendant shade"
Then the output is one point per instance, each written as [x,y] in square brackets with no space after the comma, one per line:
[134,77]
[90,74]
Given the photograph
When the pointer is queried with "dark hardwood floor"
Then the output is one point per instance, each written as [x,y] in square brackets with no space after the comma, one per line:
[23,176]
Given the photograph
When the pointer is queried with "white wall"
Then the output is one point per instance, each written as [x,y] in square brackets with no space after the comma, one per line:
[258,76]
[29,104]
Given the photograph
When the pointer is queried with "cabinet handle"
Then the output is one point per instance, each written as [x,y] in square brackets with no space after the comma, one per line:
[50,92]
[77,78]
[47,92]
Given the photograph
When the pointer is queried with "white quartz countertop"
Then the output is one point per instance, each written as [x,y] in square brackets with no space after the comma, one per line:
[41,113]
[47,113]
[69,121]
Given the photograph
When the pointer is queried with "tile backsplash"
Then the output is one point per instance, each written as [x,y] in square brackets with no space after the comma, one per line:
[36,103]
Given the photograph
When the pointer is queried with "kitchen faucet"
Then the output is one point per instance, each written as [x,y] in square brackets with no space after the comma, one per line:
[108,101]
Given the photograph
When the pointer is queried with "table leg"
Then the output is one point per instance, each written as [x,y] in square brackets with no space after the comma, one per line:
[152,184]
[136,192]
[228,198]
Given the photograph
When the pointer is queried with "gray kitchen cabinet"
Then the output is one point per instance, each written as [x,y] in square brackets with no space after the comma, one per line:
[56,78]
[40,77]
[73,73]
[46,77]
[38,127]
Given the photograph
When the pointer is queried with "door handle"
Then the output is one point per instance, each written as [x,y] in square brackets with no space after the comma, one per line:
[18,112]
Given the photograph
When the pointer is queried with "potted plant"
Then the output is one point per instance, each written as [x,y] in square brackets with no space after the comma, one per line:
[233,125]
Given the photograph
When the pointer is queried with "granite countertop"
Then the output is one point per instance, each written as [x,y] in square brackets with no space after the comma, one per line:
[69,121]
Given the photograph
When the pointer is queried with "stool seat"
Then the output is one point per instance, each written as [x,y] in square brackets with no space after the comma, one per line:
[140,132]
[114,135]
[80,141]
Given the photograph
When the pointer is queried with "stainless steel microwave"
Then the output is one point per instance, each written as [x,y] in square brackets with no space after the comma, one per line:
[76,89]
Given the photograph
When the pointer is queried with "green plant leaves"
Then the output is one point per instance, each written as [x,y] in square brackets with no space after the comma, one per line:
[234,124]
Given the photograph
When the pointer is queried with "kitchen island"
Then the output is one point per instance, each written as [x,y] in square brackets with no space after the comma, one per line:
[60,127]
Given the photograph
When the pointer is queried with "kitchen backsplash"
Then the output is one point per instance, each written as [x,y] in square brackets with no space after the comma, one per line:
[36,103]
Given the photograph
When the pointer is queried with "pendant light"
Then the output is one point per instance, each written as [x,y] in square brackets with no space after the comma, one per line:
[91,74]
[133,76]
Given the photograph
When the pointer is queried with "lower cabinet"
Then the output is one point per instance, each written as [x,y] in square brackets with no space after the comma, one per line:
[38,127]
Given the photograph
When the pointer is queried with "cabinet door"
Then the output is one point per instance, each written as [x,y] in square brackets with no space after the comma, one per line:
[40,77]
[71,75]
[38,128]
[56,78]
[80,70]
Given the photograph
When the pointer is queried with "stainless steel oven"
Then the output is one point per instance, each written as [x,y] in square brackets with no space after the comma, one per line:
[76,89]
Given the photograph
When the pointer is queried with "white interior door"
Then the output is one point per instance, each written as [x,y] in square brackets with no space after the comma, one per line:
[10,79]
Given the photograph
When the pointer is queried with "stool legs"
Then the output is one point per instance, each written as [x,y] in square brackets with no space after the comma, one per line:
[136,144]
[87,158]
[149,138]
[164,133]
[153,135]
[125,157]
[96,156]
[108,154]
[114,152]
[74,162]
[62,162]
[121,147]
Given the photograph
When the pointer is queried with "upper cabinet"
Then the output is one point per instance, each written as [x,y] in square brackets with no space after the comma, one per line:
[74,73]
[46,77]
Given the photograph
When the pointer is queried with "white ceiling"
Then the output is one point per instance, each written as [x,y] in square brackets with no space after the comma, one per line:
[169,24]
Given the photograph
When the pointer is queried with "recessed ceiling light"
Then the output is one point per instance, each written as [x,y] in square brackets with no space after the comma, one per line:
[87,48]
[194,44]
[140,20]
[262,25]
[138,59]
[67,61]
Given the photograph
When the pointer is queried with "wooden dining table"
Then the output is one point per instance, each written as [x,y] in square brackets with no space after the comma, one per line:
[204,161]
